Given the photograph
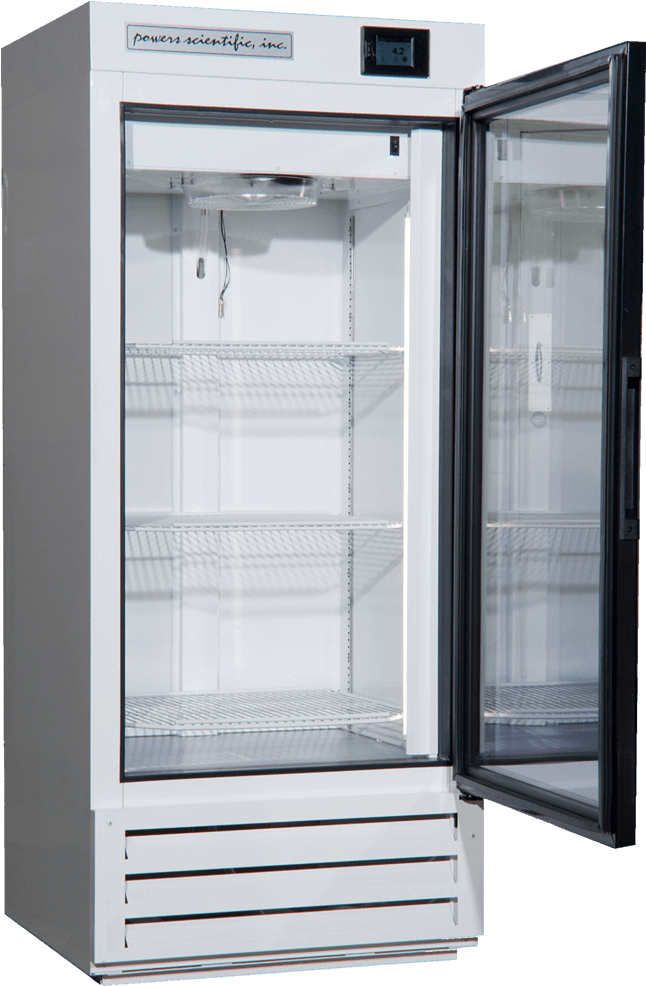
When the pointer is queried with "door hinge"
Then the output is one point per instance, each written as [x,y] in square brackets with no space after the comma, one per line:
[471,798]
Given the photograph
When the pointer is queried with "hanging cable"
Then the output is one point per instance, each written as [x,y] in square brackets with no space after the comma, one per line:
[227,268]
[202,242]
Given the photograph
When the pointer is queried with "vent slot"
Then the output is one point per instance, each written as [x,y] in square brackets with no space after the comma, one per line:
[231,847]
[289,888]
[395,923]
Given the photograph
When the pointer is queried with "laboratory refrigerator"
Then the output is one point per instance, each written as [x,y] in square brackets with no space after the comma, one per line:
[322,369]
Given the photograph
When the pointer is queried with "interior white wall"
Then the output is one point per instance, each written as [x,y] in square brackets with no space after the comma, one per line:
[264,437]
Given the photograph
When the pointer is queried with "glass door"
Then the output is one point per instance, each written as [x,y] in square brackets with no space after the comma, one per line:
[547,559]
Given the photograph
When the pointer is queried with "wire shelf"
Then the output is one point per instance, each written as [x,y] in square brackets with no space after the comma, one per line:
[259,560]
[256,522]
[195,713]
[543,521]
[544,533]
[235,381]
[576,379]
[551,539]
[556,558]
[541,704]
[265,350]
[574,355]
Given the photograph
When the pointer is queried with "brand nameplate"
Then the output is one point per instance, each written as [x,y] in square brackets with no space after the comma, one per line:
[208,41]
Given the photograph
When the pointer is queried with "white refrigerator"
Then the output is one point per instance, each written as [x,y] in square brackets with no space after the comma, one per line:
[322,374]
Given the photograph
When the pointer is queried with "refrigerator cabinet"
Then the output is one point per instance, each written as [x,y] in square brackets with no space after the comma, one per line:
[321,417]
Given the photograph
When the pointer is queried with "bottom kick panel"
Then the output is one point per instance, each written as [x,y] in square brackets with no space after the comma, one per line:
[220,885]
[138,973]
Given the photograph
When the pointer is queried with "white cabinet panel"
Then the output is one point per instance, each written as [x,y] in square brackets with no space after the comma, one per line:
[289,845]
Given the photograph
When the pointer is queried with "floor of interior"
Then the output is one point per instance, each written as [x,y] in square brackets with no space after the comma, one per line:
[172,755]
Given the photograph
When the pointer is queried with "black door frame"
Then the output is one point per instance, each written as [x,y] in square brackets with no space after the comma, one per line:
[623,66]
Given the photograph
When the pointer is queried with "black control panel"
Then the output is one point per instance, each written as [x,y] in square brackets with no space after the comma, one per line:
[402,52]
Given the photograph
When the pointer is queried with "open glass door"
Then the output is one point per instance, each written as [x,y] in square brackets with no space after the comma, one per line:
[547,443]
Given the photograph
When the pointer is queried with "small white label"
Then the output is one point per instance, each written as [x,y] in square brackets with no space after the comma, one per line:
[208,41]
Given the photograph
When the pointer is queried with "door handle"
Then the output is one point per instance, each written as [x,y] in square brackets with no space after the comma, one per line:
[631,371]
[538,362]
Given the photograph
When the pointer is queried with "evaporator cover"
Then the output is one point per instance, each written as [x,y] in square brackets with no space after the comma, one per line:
[248,193]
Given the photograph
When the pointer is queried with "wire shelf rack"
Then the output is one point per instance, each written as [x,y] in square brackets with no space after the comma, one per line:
[562,355]
[541,704]
[261,379]
[265,350]
[543,521]
[204,713]
[576,378]
[549,551]
[552,538]
[257,522]
[242,558]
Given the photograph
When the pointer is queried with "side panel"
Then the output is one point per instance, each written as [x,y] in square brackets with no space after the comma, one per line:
[47,514]
[46,58]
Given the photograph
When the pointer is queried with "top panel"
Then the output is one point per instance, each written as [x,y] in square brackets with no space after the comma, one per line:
[246,44]
[300,51]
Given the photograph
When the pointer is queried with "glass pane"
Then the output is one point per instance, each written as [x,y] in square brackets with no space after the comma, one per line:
[545,212]
[264,452]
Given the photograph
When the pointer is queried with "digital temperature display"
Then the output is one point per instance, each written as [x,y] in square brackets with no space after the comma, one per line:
[396,51]
[391,51]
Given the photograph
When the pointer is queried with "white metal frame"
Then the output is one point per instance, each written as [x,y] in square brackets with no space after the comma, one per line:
[108,91]
[310,84]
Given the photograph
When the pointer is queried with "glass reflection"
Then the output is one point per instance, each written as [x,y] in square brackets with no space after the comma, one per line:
[545,213]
